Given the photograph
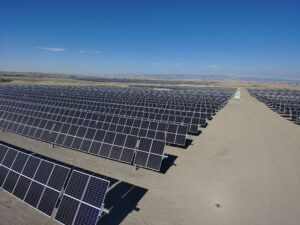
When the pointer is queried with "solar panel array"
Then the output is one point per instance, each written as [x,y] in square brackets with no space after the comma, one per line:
[130,125]
[283,101]
[35,181]
[40,183]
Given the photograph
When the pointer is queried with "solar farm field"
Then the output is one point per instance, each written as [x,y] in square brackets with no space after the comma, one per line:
[145,156]
[128,125]
[285,102]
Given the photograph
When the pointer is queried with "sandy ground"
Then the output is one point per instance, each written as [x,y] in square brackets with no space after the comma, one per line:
[243,169]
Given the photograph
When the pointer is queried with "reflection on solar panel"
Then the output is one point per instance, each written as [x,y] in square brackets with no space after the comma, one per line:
[40,183]
[284,102]
[109,122]
[35,181]
[83,199]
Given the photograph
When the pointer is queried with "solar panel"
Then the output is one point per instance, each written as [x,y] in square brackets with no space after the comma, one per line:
[22,187]
[10,181]
[31,167]
[48,201]
[20,162]
[3,173]
[3,150]
[37,182]
[86,214]
[58,177]
[284,102]
[34,194]
[149,154]
[67,210]
[82,201]
[9,157]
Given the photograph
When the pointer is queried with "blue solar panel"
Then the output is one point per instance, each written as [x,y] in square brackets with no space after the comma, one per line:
[10,181]
[22,187]
[9,158]
[36,181]
[154,161]
[77,184]
[87,215]
[67,210]
[44,171]
[3,173]
[58,177]
[3,150]
[95,191]
[19,163]
[31,166]
[83,199]
[149,154]
[34,194]
[40,183]
[48,201]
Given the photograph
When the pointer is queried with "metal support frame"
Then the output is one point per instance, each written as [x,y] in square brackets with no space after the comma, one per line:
[53,145]
[106,211]
[103,210]
[136,167]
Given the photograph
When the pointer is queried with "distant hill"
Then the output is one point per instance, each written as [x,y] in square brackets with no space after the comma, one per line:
[147,78]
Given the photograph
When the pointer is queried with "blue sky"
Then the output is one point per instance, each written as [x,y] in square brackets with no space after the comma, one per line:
[241,38]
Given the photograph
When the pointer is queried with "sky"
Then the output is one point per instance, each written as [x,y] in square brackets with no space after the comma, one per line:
[237,38]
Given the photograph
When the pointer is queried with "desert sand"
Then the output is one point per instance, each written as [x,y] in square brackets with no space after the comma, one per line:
[243,169]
